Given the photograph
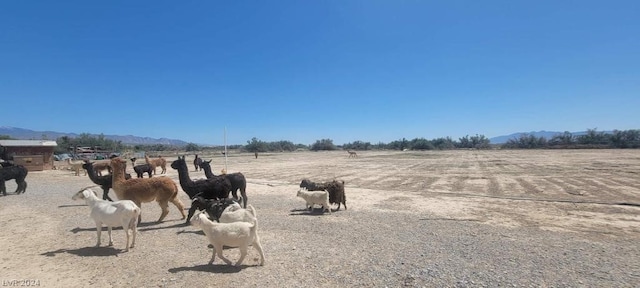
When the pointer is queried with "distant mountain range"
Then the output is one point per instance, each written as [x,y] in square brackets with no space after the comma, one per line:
[546,134]
[26,134]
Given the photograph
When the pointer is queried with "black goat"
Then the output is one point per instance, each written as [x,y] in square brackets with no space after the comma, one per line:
[238,181]
[213,207]
[105,182]
[6,164]
[214,188]
[17,172]
[335,189]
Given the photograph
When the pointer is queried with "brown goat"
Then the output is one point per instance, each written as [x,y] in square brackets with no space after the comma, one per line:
[139,190]
[156,162]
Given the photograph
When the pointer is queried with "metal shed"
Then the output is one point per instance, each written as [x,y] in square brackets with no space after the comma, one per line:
[35,155]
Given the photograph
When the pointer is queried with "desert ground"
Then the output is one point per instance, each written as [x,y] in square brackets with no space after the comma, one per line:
[472,218]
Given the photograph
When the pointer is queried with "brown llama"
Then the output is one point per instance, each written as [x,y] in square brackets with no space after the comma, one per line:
[99,166]
[139,190]
[76,167]
[155,162]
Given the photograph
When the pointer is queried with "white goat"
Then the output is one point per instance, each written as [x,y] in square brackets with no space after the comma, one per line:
[236,234]
[235,213]
[315,197]
[112,214]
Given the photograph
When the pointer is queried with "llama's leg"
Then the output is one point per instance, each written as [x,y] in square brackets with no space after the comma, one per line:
[243,253]
[3,188]
[109,232]
[164,205]
[105,194]
[180,207]
[99,230]
[256,244]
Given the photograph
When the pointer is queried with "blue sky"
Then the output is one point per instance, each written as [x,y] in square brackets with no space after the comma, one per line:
[309,70]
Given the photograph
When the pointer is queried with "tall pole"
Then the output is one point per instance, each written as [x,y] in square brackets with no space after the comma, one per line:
[225,149]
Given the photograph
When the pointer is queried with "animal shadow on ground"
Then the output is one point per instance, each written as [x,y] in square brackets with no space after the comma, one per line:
[199,232]
[215,268]
[306,212]
[86,251]
[144,224]
[71,205]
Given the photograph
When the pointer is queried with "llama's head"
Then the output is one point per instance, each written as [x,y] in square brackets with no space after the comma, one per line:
[177,164]
[118,164]
[87,165]
[205,164]
[133,161]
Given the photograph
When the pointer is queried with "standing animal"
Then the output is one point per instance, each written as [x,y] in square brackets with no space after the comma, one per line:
[334,187]
[17,172]
[156,162]
[236,234]
[212,188]
[105,182]
[238,181]
[213,207]
[76,166]
[99,166]
[141,169]
[315,197]
[196,162]
[352,154]
[138,190]
[112,214]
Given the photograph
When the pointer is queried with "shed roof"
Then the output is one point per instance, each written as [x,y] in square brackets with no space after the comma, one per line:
[28,143]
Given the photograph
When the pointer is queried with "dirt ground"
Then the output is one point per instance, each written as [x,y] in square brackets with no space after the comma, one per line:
[440,218]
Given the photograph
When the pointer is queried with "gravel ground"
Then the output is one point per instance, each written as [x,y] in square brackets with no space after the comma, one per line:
[386,238]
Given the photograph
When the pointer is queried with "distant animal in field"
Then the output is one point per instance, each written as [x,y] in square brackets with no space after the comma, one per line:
[156,162]
[196,162]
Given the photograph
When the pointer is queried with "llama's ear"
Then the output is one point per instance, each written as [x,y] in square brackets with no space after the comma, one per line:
[209,161]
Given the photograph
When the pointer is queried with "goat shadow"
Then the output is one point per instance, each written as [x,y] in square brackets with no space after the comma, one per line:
[199,232]
[101,251]
[144,224]
[307,212]
[71,205]
[215,268]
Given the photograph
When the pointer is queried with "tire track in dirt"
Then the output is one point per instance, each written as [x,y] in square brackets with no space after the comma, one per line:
[529,188]
[567,188]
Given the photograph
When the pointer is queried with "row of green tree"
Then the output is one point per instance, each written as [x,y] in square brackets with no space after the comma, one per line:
[591,139]
[566,140]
